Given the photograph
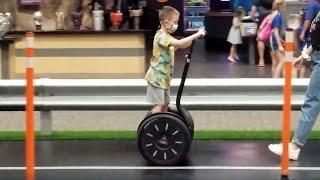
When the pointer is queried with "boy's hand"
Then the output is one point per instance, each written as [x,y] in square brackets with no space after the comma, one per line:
[202,32]
[297,63]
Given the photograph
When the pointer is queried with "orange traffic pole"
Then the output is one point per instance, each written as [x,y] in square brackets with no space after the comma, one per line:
[287,92]
[30,137]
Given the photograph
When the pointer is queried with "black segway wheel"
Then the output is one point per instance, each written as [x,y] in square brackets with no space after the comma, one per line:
[188,117]
[164,139]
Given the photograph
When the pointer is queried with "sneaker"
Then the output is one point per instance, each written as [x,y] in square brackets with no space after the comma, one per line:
[277,149]
[231,59]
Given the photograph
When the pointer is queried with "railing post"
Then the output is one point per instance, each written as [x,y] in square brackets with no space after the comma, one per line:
[30,135]
[46,122]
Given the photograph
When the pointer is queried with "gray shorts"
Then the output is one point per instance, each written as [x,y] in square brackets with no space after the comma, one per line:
[157,95]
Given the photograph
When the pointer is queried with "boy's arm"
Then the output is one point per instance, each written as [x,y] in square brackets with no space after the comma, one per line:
[187,45]
[185,42]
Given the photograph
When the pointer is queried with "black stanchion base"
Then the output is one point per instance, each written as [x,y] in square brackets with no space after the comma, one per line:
[286,178]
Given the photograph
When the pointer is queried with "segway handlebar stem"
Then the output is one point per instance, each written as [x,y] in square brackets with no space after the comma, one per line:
[184,76]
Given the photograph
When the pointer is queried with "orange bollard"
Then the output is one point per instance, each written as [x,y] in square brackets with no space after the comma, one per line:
[287,92]
[30,136]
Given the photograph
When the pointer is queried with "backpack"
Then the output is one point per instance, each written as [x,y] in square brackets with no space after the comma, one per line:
[265,29]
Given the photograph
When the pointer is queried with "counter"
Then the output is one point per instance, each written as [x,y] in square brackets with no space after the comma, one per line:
[82,54]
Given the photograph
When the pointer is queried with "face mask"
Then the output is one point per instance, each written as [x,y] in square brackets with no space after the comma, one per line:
[173,28]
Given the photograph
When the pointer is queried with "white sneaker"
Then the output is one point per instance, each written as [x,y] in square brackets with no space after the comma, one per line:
[231,59]
[277,149]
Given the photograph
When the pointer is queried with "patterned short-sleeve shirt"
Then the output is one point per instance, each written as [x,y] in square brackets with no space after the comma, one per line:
[160,71]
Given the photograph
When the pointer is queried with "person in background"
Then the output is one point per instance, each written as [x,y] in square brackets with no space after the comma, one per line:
[277,50]
[234,37]
[311,106]
[303,46]
[264,7]
[246,4]
[312,10]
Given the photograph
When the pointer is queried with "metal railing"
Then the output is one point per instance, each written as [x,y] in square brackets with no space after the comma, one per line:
[129,94]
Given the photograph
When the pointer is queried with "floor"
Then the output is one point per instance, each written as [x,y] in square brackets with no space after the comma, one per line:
[120,159]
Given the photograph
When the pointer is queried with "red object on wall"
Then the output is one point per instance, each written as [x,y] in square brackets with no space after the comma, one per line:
[116,18]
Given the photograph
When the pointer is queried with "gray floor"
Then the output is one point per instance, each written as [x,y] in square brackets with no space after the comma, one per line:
[123,153]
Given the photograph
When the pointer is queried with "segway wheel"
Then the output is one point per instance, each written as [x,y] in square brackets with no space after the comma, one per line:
[188,117]
[164,139]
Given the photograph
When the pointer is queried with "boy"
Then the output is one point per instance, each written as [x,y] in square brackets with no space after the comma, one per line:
[160,72]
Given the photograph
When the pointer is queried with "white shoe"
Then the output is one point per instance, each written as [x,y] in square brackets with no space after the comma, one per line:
[231,59]
[277,149]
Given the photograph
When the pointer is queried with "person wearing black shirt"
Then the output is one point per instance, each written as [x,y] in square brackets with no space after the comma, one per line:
[311,107]
[264,7]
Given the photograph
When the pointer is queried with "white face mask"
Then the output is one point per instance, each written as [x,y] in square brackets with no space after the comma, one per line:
[173,28]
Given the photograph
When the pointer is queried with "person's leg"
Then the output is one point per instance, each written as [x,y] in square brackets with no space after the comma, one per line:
[309,112]
[261,48]
[310,109]
[232,53]
[236,56]
[274,63]
[233,50]
[279,65]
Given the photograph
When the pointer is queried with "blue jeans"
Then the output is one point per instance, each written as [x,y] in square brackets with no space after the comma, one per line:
[311,107]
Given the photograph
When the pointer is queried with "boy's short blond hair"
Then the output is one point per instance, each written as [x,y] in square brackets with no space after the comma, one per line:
[167,12]
[276,4]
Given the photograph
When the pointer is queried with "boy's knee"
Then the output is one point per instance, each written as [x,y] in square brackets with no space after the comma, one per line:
[160,108]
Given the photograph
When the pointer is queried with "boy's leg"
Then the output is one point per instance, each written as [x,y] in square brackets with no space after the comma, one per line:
[158,97]
[166,100]
[157,109]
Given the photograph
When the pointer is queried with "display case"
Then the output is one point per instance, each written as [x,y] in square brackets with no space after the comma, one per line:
[29,4]
[24,3]
[194,13]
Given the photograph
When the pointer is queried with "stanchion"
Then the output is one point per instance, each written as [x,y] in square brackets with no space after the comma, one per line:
[287,91]
[30,136]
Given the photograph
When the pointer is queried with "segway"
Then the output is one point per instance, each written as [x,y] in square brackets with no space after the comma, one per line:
[164,138]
